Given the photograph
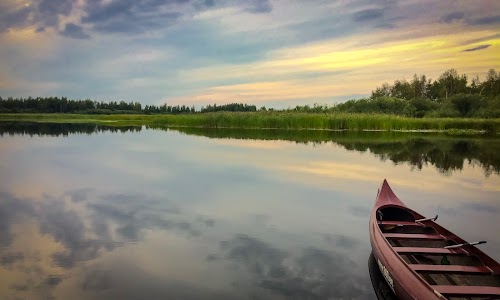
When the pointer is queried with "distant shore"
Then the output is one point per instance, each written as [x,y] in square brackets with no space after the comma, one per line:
[277,120]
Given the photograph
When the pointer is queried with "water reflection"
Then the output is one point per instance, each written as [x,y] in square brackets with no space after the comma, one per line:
[380,286]
[59,129]
[310,274]
[446,153]
[81,234]
[156,214]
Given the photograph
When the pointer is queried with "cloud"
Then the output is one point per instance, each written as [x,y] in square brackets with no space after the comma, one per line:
[130,16]
[67,227]
[236,36]
[386,26]
[257,256]
[211,257]
[454,16]
[20,287]
[312,274]
[10,209]
[368,15]
[96,280]
[479,207]
[133,214]
[55,219]
[53,280]
[208,222]
[200,42]
[9,258]
[97,12]
[341,241]
[55,7]
[480,47]
[50,10]
[74,31]
[83,228]
[208,3]
[482,39]
[125,16]
[40,13]
[14,16]
[360,211]
[79,195]
[130,281]
[485,21]
[116,16]
[259,6]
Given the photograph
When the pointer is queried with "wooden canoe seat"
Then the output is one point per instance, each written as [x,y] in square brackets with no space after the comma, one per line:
[413,236]
[400,223]
[467,291]
[450,269]
[429,251]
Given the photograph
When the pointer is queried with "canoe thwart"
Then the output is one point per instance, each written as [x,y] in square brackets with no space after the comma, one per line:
[423,250]
[413,236]
[400,223]
[467,291]
[450,269]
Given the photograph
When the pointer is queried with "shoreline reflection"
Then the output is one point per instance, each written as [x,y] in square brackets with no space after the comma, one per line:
[446,153]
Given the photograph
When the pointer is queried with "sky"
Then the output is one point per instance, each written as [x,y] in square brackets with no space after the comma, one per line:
[277,53]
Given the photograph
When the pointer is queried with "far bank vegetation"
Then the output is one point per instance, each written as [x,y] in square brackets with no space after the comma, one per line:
[451,95]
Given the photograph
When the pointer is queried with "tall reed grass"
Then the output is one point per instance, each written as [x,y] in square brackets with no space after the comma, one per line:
[274,120]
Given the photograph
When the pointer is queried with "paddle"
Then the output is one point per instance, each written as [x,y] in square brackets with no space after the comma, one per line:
[427,219]
[465,244]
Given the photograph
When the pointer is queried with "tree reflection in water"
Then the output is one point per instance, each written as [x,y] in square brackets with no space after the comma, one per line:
[446,153]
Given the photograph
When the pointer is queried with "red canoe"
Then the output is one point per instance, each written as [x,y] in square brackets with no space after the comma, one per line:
[421,260]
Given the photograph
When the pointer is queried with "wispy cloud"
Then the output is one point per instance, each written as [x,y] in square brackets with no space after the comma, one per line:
[480,47]
[74,31]
[454,16]
[251,51]
[486,20]
[368,15]
[131,16]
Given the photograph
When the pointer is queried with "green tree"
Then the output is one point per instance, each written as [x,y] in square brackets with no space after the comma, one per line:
[467,104]
[382,91]
[450,83]
[402,90]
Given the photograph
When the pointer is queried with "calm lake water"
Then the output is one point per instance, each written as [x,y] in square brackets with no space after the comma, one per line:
[92,212]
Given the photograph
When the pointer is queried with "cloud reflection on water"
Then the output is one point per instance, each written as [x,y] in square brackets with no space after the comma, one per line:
[312,274]
[292,220]
[84,232]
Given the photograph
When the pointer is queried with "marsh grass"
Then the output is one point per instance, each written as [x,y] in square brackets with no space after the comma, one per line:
[276,120]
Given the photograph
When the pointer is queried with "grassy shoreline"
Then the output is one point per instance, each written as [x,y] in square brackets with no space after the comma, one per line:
[277,120]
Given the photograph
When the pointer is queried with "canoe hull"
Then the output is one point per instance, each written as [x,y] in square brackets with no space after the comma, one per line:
[405,283]
[389,211]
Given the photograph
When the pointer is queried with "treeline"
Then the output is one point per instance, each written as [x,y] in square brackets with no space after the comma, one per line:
[229,107]
[451,95]
[65,105]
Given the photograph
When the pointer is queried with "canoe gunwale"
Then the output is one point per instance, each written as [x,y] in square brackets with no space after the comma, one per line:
[400,269]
